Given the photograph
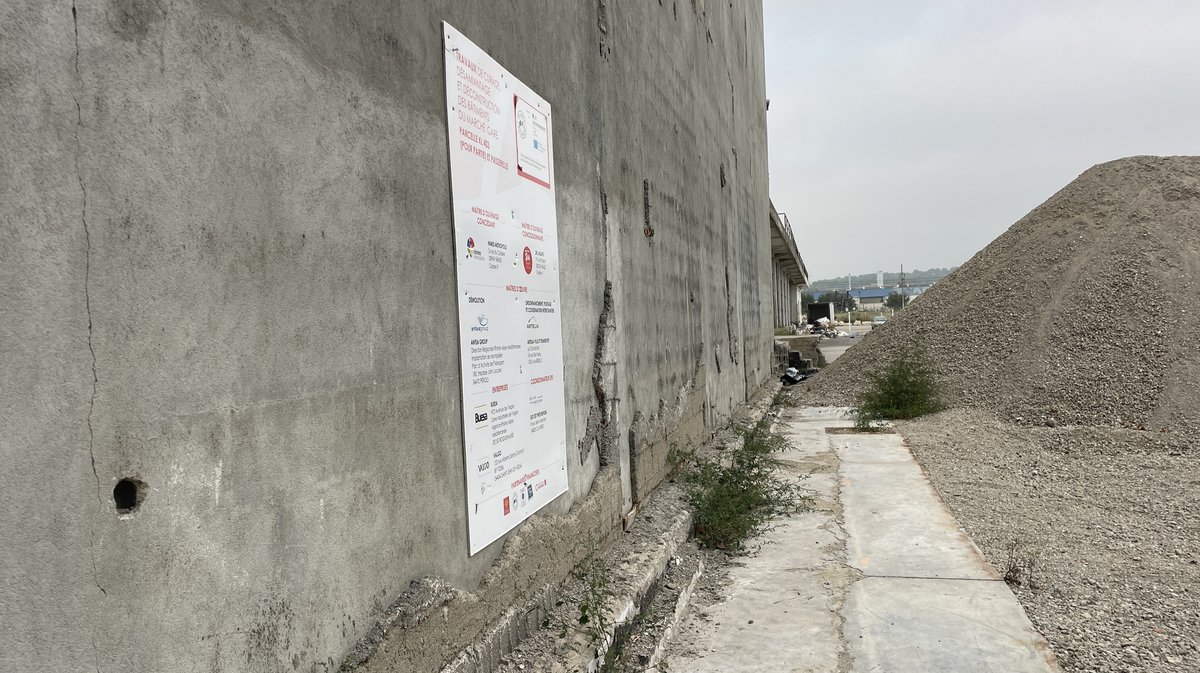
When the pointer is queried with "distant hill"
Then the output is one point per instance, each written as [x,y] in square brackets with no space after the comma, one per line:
[915,277]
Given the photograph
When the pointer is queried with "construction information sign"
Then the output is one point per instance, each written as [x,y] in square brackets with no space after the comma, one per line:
[510,334]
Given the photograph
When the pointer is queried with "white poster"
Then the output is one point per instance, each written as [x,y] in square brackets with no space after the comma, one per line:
[510,335]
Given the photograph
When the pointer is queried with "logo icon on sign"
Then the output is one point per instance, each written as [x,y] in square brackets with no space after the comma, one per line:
[521,127]
[507,506]
[527,259]
[472,251]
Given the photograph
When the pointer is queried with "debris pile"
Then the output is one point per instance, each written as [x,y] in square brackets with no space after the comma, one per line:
[1085,312]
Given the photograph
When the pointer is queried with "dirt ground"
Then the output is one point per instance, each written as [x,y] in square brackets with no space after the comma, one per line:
[1100,528]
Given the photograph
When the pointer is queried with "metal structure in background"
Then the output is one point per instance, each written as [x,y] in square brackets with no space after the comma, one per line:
[789,274]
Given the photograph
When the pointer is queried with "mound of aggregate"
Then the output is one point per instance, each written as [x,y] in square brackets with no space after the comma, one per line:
[1085,312]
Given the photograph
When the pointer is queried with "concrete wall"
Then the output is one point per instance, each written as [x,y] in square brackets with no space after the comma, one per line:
[226,273]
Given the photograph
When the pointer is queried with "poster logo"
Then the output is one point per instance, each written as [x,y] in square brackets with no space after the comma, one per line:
[481,416]
[522,127]
[527,259]
[507,506]
[472,250]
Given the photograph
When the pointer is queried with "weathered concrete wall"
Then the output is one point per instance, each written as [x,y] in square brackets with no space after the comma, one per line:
[226,272]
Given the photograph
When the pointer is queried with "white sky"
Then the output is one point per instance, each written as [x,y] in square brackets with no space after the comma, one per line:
[906,132]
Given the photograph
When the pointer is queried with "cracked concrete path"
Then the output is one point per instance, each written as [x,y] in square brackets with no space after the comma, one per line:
[877,578]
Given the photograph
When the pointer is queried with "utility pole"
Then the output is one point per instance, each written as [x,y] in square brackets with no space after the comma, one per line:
[849,304]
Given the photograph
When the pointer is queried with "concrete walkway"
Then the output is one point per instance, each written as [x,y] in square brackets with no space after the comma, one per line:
[877,578]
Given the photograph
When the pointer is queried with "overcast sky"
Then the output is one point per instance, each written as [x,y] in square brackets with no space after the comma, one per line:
[914,133]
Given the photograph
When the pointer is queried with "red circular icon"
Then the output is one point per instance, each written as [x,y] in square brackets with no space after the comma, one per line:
[527,257]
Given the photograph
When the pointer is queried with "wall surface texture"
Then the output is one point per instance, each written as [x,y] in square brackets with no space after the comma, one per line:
[226,272]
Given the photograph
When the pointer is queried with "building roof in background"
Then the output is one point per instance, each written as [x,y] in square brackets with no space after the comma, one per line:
[883,292]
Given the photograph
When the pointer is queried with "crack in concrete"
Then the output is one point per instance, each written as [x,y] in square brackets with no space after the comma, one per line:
[87,262]
[87,302]
[839,588]
[96,653]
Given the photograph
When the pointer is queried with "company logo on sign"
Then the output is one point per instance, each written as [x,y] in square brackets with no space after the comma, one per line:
[472,250]
[483,324]
[522,126]
[527,259]
[481,416]
[507,506]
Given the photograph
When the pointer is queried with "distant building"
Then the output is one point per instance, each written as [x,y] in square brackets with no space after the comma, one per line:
[872,299]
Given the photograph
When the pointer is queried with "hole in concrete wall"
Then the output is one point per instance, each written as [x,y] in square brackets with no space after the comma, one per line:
[128,495]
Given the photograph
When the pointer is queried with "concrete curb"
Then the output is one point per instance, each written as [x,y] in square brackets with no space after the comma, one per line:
[681,607]
[637,564]
[646,578]
[517,624]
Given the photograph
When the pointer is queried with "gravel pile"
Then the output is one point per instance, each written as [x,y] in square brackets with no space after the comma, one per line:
[1102,524]
[1085,312]
[1069,351]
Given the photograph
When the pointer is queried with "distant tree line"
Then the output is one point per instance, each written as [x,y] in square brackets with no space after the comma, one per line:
[914,278]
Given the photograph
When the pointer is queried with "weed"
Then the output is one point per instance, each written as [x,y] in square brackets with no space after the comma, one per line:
[676,457]
[1019,568]
[591,619]
[905,389]
[735,495]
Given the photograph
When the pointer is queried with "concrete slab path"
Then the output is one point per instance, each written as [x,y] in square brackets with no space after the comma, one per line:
[877,578]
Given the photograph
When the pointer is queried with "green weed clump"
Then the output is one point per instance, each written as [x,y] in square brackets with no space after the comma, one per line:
[592,619]
[906,388]
[736,494]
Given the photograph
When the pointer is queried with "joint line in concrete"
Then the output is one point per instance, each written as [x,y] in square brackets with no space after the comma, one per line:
[917,577]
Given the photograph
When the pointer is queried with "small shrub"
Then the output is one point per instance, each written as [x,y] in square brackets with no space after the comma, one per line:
[735,495]
[1018,570]
[593,620]
[905,389]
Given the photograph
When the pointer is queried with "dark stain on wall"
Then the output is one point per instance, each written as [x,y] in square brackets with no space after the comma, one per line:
[132,20]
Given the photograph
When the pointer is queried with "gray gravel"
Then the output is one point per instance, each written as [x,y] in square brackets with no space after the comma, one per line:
[1086,311]
[1109,517]
[1069,349]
